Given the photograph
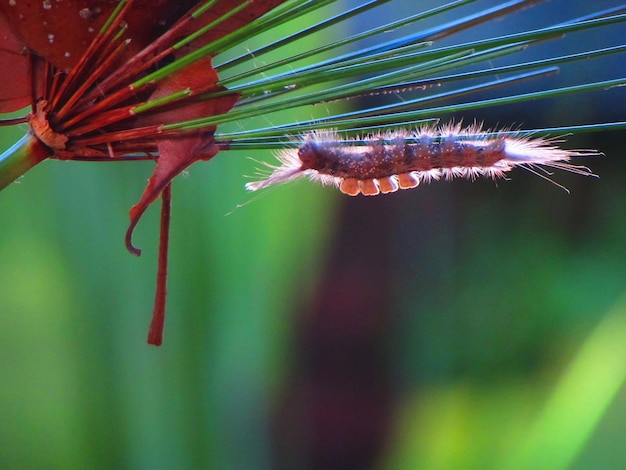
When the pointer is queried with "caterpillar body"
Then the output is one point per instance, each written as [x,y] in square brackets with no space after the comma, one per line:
[403,159]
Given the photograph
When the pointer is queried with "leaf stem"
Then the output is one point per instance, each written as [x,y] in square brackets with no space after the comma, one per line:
[21,157]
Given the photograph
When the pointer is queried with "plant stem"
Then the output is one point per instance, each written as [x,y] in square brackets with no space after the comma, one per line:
[21,157]
[155,335]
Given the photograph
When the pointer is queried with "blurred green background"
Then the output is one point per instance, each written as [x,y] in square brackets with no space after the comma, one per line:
[459,325]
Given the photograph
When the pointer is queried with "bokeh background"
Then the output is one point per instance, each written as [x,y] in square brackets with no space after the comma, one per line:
[457,326]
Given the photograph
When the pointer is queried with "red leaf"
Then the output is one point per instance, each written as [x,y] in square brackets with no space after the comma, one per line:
[15,83]
[61,31]
[177,153]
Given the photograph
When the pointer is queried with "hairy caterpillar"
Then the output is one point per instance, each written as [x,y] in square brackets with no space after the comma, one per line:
[403,159]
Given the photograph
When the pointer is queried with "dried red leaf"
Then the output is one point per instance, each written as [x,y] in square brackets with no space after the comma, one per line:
[15,83]
[178,152]
[61,31]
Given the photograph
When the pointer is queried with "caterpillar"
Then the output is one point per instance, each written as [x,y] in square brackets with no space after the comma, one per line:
[403,159]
